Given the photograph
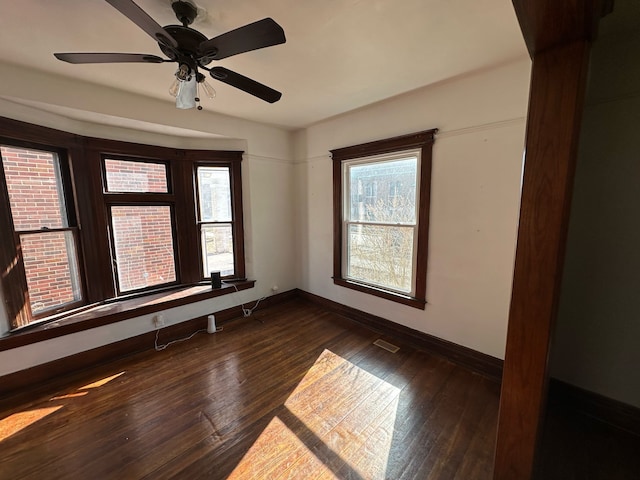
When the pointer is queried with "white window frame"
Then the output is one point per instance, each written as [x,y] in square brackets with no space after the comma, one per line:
[347,221]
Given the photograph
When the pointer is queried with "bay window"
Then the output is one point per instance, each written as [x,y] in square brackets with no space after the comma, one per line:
[85,220]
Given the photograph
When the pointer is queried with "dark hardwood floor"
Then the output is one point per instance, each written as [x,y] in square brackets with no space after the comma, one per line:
[576,447]
[292,392]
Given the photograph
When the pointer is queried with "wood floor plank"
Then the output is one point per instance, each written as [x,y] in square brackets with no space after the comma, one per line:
[294,392]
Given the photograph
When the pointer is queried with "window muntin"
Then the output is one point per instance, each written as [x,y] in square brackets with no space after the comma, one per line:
[215,219]
[44,229]
[126,176]
[143,246]
[380,224]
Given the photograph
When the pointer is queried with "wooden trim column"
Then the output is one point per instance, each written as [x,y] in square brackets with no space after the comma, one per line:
[557,87]
[558,35]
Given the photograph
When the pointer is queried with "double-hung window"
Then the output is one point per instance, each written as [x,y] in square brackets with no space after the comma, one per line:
[43,221]
[215,219]
[381,216]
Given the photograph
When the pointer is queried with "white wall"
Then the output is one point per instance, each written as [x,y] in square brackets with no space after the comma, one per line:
[597,333]
[477,163]
[267,173]
[287,206]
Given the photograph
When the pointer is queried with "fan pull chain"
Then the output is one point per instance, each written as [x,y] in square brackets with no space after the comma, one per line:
[197,99]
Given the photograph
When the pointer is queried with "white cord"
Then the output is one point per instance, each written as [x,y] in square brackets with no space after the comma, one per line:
[162,347]
[246,312]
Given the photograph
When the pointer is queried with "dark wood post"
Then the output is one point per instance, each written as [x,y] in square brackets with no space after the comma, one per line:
[558,35]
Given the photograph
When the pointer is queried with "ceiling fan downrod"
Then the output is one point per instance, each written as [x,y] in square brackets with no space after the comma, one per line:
[186,12]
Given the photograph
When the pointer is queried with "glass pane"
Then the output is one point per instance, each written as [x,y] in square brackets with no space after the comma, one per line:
[51,267]
[383,191]
[214,194]
[35,188]
[217,249]
[143,243]
[137,177]
[381,255]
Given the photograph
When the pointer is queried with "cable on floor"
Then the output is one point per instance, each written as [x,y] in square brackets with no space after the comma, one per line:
[162,347]
[246,312]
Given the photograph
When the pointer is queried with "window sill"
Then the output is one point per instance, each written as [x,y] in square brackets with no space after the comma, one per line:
[108,313]
[394,297]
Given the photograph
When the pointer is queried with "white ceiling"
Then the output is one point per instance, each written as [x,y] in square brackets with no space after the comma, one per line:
[340,55]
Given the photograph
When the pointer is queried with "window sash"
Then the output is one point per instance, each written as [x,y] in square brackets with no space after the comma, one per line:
[374,160]
[118,262]
[219,216]
[73,263]
[111,187]
[347,221]
[347,257]
[206,266]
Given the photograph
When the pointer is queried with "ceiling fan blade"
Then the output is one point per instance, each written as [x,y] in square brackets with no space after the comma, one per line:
[138,16]
[245,84]
[108,58]
[260,34]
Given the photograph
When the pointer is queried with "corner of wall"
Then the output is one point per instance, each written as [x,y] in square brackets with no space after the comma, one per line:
[4,321]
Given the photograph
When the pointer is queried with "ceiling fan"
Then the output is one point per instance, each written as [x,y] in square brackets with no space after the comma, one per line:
[192,51]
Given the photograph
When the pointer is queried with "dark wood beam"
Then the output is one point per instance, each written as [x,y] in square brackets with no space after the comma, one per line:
[554,116]
[549,23]
[558,35]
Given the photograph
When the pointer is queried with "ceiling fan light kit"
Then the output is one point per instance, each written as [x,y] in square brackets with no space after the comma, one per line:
[192,51]
[186,88]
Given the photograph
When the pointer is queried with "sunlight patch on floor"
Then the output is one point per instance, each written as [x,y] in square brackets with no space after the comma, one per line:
[337,423]
[274,453]
[101,382]
[68,395]
[21,420]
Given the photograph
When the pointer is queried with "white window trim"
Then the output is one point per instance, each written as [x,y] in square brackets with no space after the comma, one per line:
[346,221]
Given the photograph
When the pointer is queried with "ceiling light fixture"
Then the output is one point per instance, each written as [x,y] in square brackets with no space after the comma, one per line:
[186,88]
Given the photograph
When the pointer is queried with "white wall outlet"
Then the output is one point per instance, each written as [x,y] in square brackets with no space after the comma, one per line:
[158,320]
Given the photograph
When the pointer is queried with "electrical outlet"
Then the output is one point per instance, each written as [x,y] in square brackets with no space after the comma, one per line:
[158,320]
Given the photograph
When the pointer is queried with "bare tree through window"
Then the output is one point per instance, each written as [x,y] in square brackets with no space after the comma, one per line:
[382,219]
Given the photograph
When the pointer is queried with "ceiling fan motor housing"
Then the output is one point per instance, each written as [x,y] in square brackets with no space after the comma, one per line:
[188,41]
